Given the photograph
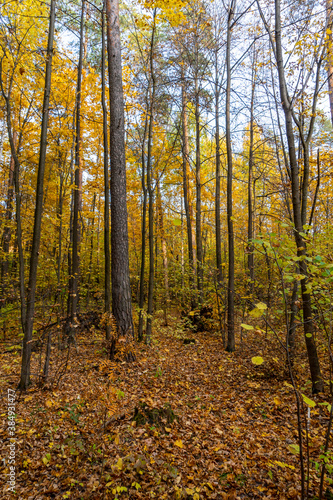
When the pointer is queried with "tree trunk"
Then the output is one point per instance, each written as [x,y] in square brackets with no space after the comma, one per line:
[186,194]
[329,20]
[74,292]
[107,265]
[26,354]
[151,193]
[7,233]
[198,193]
[143,232]
[217,175]
[231,257]
[250,247]
[164,253]
[121,290]
[317,382]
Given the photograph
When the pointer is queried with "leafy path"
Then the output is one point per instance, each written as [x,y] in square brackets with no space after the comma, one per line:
[233,437]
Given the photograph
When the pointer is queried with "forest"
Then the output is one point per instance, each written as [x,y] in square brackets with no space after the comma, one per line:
[166,255]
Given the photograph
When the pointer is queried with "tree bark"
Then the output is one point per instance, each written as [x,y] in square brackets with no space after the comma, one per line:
[74,292]
[217,175]
[26,354]
[329,22]
[186,189]
[121,291]
[107,256]
[198,229]
[151,192]
[7,233]
[317,381]
[231,253]
[166,296]
[250,247]
[143,231]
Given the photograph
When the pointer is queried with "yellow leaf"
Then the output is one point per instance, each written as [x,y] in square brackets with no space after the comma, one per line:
[119,464]
[179,443]
[277,401]
[308,401]
[116,439]
[247,327]
[49,403]
[262,306]
[29,398]
[257,360]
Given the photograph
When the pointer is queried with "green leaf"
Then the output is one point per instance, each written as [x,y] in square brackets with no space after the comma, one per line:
[308,401]
[176,222]
[247,327]
[257,360]
[308,335]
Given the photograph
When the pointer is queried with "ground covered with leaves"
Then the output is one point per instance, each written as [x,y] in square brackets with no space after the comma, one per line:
[186,420]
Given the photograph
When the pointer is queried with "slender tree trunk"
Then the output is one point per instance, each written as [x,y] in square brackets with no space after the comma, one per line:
[164,253]
[70,247]
[217,175]
[90,267]
[231,258]
[107,265]
[7,233]
[329,20]
[250,247]
[78,187]
[60,222]
[151,193]
[317,381]
[121,290]
[14,153]
[26,355]
[198,193]
[143,232]
[186,194]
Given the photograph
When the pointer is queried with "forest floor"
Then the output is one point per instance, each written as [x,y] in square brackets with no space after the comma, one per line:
[217,426]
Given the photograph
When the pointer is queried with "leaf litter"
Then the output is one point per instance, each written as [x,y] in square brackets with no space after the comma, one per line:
[216,425]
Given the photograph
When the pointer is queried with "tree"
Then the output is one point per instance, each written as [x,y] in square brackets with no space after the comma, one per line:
[121,291]
[231,250]
[298,194]
[26,354]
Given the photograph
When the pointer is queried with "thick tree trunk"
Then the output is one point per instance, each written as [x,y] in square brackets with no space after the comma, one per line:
[121,290]
[231,257]
[26,355]
[317,381]
[107,264]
